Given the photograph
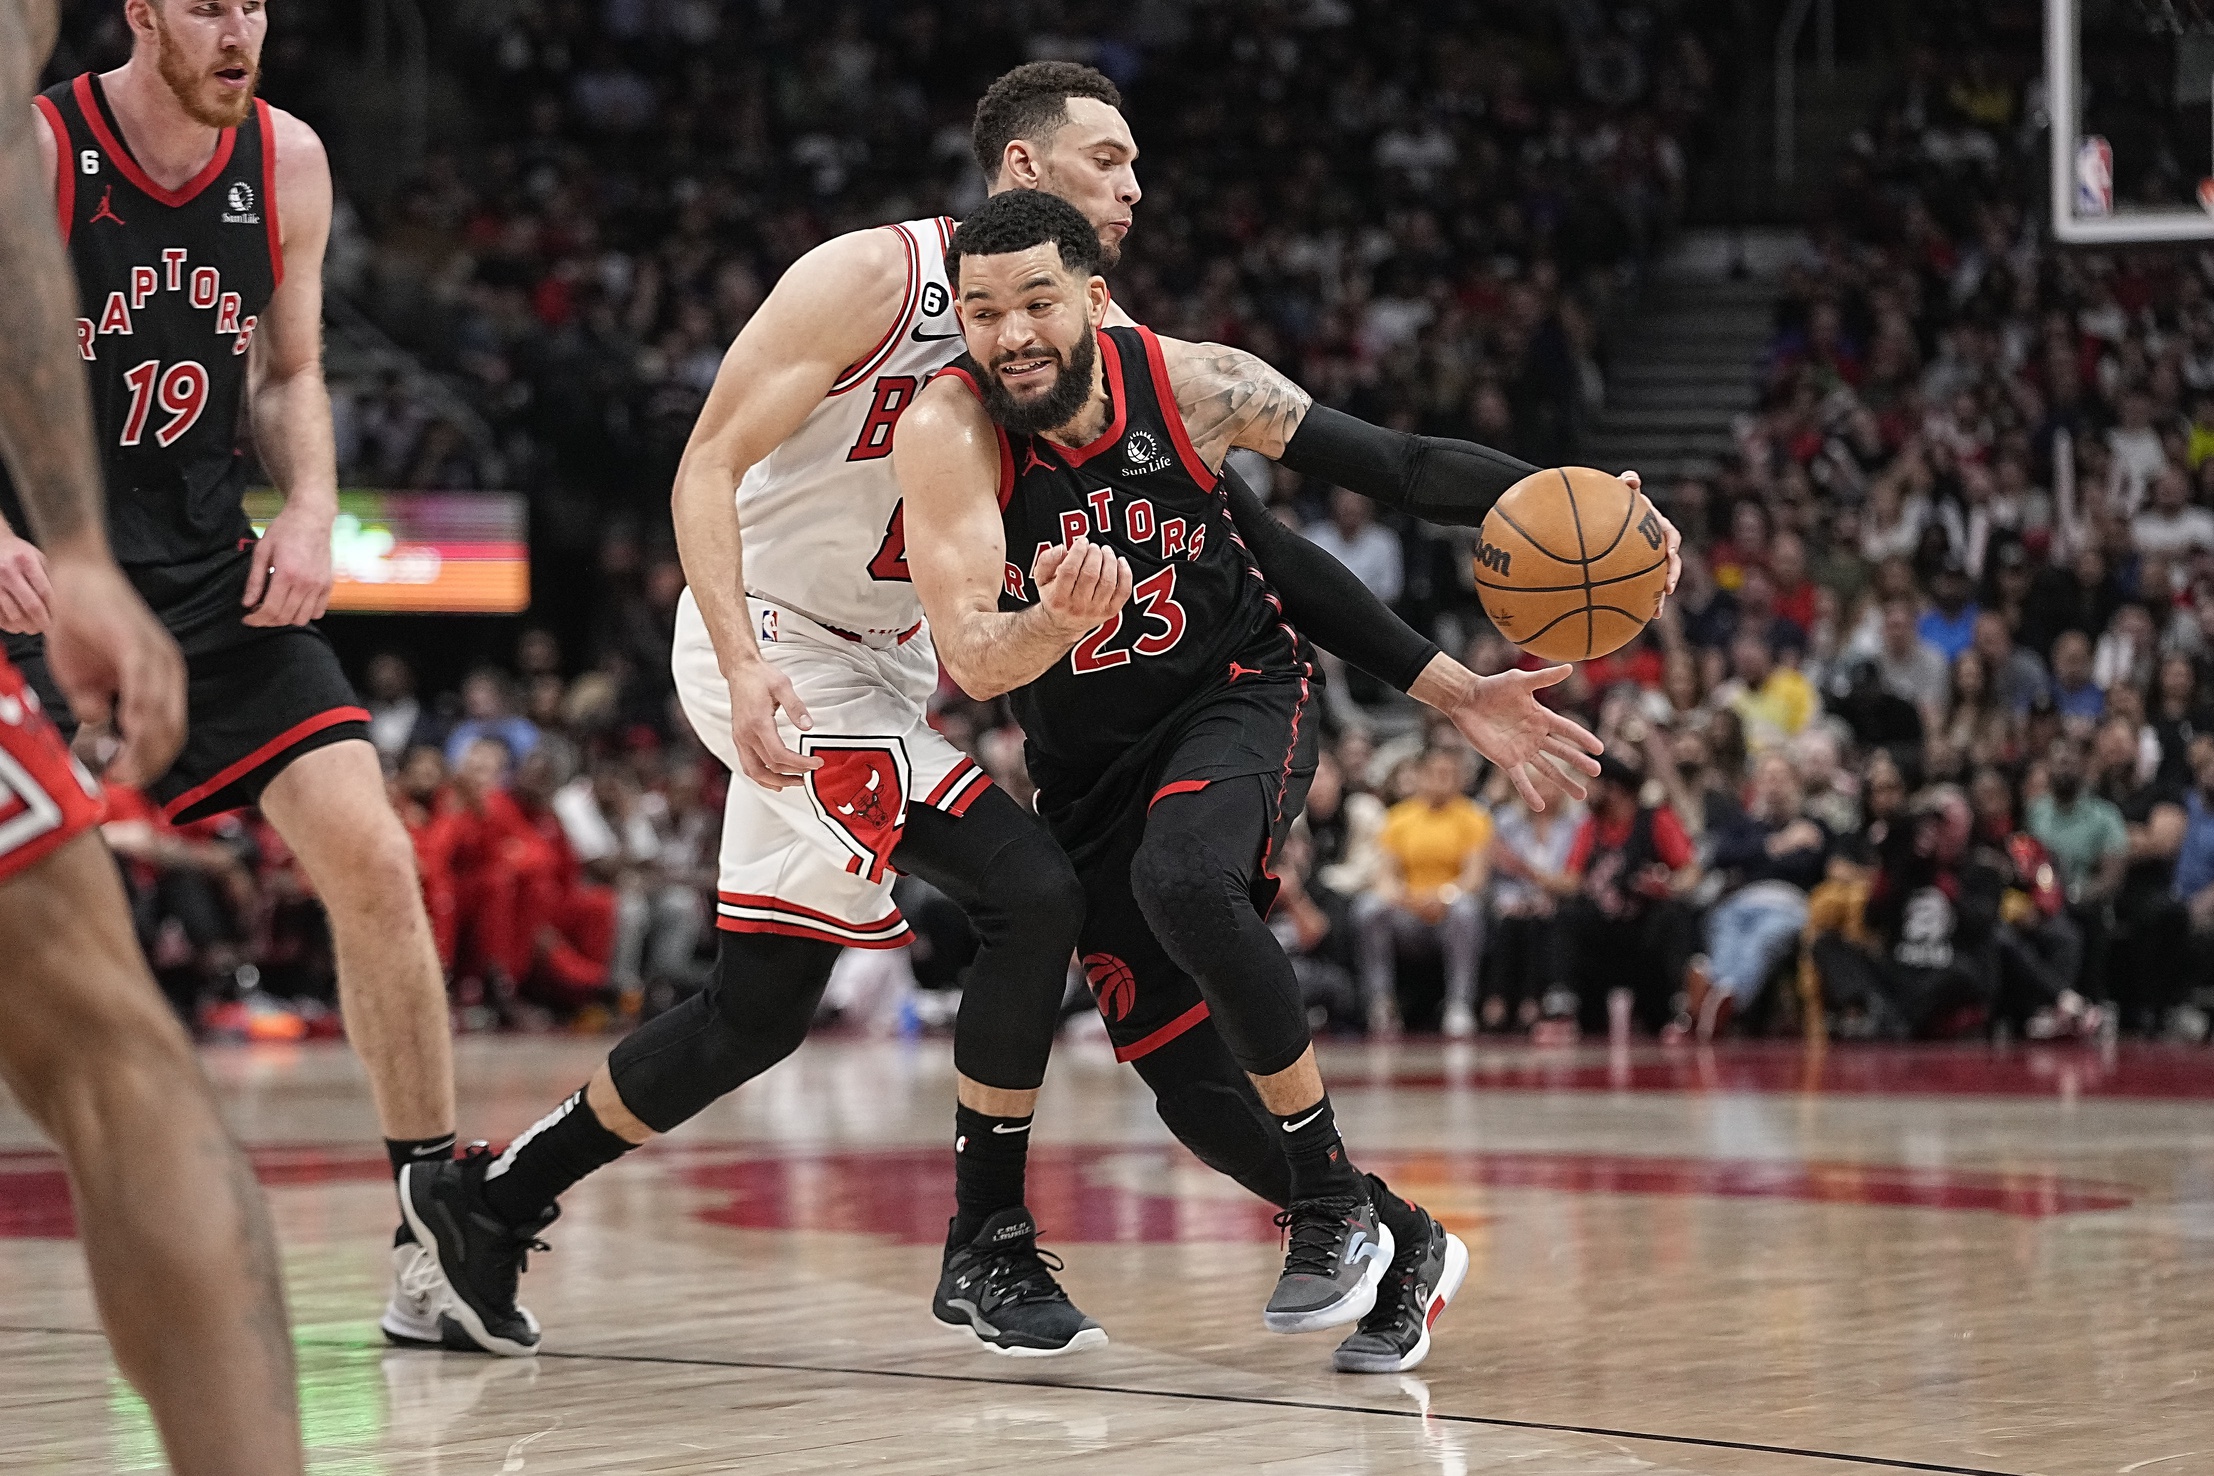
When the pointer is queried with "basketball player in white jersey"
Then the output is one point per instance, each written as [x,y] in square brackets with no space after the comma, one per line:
[802,661]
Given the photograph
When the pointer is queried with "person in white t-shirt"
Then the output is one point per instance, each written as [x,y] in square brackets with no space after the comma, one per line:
[2172,524]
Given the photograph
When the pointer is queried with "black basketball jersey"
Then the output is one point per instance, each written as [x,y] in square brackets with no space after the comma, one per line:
[1200,617]
[172,285]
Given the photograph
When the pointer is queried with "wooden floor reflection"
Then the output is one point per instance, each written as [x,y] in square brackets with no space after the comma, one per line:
[1908,1260]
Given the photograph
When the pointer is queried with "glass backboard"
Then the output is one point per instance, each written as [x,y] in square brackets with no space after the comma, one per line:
[2130,85]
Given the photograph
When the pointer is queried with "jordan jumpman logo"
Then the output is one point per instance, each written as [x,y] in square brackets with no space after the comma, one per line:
[107,208]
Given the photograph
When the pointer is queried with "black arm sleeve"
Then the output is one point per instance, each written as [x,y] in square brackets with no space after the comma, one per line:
[1438,480]
[1322,598]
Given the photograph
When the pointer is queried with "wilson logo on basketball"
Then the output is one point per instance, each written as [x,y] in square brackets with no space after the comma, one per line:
[1649,527]
[1112,983]
[1491,556]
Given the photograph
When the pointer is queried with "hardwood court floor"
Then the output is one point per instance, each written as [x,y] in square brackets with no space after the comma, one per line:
[1745,1262]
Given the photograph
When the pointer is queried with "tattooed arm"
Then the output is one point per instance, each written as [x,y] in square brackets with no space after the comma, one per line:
[108,656]
[1229,397]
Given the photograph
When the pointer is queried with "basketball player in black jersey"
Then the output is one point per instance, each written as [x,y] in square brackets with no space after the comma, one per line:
[174,1229]
[1054,124]
[1172,743]
[195,217]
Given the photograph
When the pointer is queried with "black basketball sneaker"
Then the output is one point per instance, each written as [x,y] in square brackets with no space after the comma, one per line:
[1339,1248]
[482,1255]
[1395,1335]
[999,1289]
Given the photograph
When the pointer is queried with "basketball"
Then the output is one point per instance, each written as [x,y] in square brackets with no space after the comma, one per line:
[1572,563]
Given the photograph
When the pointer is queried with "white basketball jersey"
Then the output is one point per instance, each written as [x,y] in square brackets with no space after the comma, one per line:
[820,514]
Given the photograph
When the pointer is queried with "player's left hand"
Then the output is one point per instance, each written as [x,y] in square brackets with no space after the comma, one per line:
[290,581]
[1540,750]
[1673,541]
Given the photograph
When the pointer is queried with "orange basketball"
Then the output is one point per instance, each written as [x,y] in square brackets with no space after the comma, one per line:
[1572,563]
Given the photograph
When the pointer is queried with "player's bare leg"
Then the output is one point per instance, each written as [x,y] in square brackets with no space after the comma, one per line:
[330,807]
[174,1228]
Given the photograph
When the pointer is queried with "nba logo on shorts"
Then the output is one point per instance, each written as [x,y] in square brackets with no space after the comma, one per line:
[2094,177]
[768,627]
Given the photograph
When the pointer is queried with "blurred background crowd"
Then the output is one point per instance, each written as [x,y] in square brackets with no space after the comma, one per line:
[1924,744]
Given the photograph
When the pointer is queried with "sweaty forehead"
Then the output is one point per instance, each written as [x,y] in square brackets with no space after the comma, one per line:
[1092,123]
[1011,272]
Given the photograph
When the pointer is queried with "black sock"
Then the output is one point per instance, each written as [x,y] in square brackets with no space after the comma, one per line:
[553,1153]
[1318,1163]
[989,1154]
[1400,1216]
[404,1151]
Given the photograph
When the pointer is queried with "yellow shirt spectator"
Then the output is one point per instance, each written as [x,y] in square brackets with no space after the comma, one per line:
[1432,843]
[1778,709]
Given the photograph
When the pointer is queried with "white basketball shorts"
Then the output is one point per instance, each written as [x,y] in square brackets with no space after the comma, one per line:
[815,860]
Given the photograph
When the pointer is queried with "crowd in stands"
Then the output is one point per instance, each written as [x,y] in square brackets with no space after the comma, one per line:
[1438,245]
[1924,744]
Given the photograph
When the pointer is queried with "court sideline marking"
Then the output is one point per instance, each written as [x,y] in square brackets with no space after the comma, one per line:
[1251,1400]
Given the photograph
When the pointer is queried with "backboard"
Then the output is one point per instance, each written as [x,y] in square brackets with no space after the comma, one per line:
[2130,87]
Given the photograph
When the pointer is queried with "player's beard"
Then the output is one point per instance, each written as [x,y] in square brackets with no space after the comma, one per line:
[193,88]
[1058,405]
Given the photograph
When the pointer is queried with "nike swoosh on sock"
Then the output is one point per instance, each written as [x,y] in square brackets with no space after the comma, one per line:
[1293,1127]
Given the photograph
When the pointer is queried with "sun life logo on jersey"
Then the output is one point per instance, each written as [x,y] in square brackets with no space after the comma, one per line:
[241,203]
[1145,453]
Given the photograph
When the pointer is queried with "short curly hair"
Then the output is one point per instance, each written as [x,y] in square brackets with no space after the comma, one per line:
[1016,220]
[1032,102]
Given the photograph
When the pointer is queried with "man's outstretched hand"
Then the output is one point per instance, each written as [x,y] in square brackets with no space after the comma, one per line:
[119,669]
[1542,752]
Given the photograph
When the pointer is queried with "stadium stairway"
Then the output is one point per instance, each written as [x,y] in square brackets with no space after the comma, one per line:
[1682,366]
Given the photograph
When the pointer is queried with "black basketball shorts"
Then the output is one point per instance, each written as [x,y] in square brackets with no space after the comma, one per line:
[1253,741]
[251,709]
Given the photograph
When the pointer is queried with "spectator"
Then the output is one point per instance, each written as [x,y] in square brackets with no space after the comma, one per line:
[1529,860]
[1933,911]
[1772,701]
[1354,538]
[1770,859]
[2083,833]
[488,711]
[1629,927]
[2194,876]
[2016,676]
[1910,667]
[397,721]
[1978,730]
[2078,698]
[2179,715]
[1428,893]
[2171,526]
[1949,624]
[1795,592]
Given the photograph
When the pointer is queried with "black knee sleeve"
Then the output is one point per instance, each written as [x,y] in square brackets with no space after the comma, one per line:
[1212,1108]
[1027,907]
[753,1013]
[1199,908]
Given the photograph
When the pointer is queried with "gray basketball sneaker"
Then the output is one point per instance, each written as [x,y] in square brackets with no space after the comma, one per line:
[1395,1335]
[1338,1251]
